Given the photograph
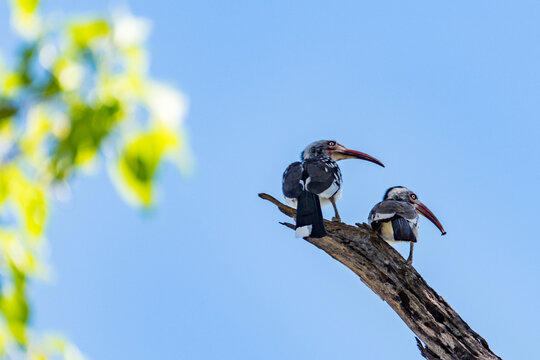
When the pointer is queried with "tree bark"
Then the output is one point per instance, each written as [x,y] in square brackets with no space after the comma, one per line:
[383,270]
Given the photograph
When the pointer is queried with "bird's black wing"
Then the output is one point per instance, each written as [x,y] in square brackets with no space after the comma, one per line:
[322,175]
[292,177]
[388,209]
[402,229]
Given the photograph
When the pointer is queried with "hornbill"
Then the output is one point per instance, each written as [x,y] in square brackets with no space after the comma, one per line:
[396,217]
[316,181]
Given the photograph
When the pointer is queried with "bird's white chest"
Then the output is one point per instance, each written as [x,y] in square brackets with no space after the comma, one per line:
[331,191]
[324,199]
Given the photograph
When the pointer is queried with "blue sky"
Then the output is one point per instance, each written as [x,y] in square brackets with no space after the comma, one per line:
[445,93]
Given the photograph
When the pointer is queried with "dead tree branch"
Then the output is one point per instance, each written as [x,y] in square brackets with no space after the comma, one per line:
[383,270]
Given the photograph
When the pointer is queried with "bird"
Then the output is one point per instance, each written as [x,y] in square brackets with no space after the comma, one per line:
[315,181]
[395,218]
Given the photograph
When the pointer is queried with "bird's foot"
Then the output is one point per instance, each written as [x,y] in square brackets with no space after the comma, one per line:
[364,226]
[336,219]
[409,260]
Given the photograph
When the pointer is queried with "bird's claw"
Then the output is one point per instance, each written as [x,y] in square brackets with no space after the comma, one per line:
[336,219]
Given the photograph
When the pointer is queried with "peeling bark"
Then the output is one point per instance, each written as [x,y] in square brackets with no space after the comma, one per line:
[385,272]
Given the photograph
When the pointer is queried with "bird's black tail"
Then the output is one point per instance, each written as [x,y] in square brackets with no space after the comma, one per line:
[402,230]
[309,219]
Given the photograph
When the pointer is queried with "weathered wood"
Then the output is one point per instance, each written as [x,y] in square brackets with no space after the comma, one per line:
[383,270]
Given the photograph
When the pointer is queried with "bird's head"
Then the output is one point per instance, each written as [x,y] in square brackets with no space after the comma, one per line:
[336,151]
[401,193]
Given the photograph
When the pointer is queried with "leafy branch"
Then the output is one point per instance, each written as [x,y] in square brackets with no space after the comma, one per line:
[78,91]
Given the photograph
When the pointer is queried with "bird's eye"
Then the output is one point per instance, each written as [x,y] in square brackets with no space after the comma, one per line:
[332,143]
[413,196]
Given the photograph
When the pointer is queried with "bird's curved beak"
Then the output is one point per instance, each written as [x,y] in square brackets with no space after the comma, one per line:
[342,152]
[423,209]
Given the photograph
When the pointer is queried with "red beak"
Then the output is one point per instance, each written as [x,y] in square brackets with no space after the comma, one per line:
[422,209]
[352,154]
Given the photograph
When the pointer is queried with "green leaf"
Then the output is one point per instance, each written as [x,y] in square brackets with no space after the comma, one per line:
[26,58]
[84,32]
[15,308]
[4,182]
[140,159]
[7,111]
[89,127]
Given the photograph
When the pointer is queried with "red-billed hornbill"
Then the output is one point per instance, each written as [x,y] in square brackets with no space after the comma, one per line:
[396,217]
[315,182]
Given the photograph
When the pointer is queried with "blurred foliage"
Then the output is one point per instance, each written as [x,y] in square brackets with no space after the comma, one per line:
[76,92]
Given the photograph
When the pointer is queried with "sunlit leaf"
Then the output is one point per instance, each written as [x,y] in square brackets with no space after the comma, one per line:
[34,207]
[3,340]
[130,30]
[24,17]
[11,83]
[4,183]
[82,33]
[139,161]
[30,199]
[14,306]
[71,77]
[28,6]
[14,252]
[168,106]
